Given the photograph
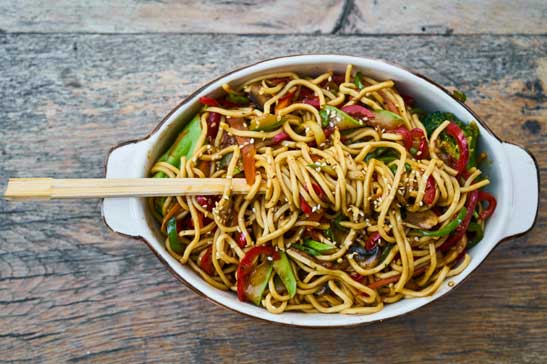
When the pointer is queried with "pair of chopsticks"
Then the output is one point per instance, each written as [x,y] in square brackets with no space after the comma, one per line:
[49,188]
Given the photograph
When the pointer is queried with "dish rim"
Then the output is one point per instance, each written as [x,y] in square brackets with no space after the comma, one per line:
[190,98]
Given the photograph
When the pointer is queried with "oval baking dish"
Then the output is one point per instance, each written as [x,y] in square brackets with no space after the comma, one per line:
[513,172]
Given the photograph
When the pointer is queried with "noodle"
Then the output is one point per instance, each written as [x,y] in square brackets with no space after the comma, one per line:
[360,215]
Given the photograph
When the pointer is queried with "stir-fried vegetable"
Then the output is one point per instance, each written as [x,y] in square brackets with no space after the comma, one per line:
[252,278]
[224,162]
[373,241]
[284,270]
[448,228]
[266,122]
[184,145]
[332,116]
[206,262]
[491,200]
[470,205]
[238,99]
[475,234]
[172,235]
[280,137]
[319,247]
[463,152]
[248,150]
[386,119]
[306,249]
[447,146]
[284,101]
[209,101]
[359,80]
[430,191]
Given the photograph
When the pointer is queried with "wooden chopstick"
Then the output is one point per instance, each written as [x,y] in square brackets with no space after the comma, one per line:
[49,188]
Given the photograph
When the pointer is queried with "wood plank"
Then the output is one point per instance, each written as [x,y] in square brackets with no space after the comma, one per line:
[73,291]
[171,16]
[446,17]
[275,16]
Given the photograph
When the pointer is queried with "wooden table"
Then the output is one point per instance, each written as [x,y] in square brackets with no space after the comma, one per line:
[77,79]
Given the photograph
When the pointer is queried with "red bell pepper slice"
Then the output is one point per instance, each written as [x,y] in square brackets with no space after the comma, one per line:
[492,203]
[423,148]
[248,150]
[471,204]
[318,190]
[305,207]
[372,241]
[241,240]
[209,101]
[247,265]
[430,191]
[455,132]
[206,262]
[407,137]
[279,137]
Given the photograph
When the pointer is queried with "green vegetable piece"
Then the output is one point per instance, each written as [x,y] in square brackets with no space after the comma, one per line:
[331,115]
[387,119]
[183,146]
[448,228]
[237,98]
[471,132]
[283,268]
[385,251]
[324,118]
[447,144]
[328,234]
[318,246]
[418,111]
[477,236]
[459,95]
[376,154]
[323,168]
[306,249]
[173,236]
[266,122]
[224,162]
[433,120]
[359,80]
[258,281]
[336,223]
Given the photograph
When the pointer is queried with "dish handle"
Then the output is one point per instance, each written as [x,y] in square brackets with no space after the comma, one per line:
[525,182]
[121,214]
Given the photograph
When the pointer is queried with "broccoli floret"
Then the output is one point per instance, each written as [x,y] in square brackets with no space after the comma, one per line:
[447,146]
[433,120]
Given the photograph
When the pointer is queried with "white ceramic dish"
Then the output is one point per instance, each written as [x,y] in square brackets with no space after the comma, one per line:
[513,172]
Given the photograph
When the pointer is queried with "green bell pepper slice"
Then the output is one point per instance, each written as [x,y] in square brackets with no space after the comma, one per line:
[448,228]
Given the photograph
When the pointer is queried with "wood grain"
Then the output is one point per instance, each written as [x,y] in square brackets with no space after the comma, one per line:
[446,17]
[275,16]
[72,291]
[171,16]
